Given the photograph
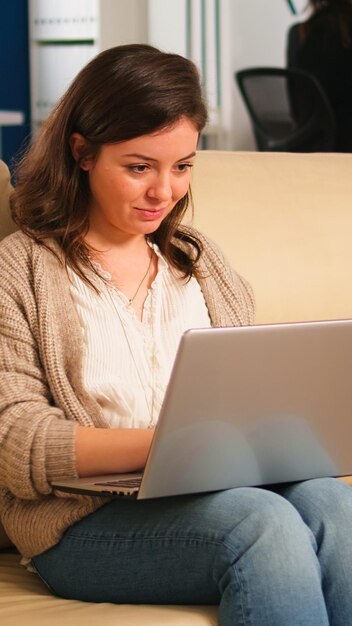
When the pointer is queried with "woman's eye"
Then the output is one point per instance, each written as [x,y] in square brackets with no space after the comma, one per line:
[183,167]
[138,169]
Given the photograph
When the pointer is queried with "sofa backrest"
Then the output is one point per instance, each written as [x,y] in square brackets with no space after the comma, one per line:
[285,222]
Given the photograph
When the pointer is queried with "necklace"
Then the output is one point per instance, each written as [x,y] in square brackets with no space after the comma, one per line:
[130,300]
[150,400]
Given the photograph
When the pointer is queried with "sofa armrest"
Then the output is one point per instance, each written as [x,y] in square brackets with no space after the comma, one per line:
[7,226]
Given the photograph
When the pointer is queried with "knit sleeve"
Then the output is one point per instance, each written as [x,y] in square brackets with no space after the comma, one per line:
[229,295]
[36,441]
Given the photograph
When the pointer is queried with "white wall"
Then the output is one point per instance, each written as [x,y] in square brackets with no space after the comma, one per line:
[123,22]
[166,25]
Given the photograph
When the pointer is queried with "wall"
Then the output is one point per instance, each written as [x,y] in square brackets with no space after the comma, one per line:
[14,73]
[123,22]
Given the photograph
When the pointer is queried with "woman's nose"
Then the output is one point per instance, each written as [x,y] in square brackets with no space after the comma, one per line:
[160,188]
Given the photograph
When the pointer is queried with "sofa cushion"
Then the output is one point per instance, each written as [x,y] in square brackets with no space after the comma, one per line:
[24,599]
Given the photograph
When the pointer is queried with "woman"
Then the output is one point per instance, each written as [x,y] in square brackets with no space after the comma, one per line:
[95,291]
[322,46]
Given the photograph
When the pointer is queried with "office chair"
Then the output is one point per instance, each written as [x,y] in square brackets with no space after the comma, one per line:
[288,109]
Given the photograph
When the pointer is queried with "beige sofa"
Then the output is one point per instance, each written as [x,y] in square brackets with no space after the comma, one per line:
[285,222]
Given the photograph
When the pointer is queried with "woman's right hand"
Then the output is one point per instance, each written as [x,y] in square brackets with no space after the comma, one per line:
[111,450]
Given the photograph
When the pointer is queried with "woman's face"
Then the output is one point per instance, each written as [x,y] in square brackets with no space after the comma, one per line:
[135,184]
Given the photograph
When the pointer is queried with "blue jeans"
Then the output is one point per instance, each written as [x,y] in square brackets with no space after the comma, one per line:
[268,558]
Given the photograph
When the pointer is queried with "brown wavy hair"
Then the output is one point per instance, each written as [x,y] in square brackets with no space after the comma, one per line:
[123,93]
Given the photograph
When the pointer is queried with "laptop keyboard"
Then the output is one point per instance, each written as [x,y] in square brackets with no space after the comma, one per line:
[123,482]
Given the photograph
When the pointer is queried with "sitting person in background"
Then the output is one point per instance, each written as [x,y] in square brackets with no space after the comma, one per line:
[322,46]
[96,290]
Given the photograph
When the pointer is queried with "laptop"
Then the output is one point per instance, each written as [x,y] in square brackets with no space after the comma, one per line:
[247,406]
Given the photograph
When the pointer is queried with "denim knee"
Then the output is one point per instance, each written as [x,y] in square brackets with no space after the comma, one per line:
[269,554]
[271,522]
[321,502]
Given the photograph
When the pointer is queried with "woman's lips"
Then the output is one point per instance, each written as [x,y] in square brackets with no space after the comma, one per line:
[151,214]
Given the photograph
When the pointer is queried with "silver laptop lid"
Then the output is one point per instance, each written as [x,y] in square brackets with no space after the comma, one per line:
[253,406]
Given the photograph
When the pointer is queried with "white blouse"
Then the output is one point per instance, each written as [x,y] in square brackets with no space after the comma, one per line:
[127,362]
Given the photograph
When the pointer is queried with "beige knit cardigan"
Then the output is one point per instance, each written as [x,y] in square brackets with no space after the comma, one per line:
[42,394]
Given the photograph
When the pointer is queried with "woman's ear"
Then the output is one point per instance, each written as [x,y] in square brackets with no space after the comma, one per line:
[78,147]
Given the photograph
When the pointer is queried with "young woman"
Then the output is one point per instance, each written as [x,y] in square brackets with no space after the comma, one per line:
[95,291]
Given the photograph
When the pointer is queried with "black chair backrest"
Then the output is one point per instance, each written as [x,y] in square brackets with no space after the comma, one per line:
[288,108]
